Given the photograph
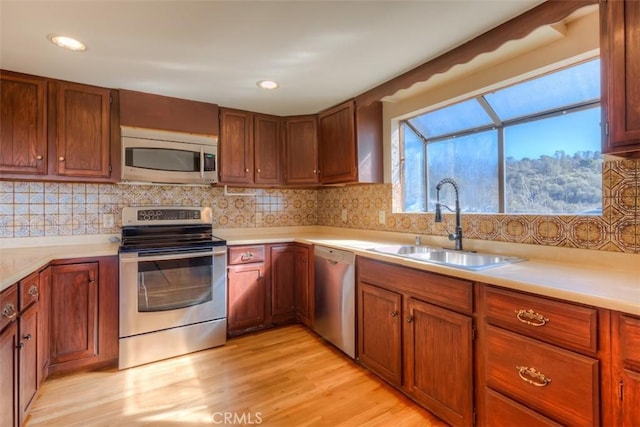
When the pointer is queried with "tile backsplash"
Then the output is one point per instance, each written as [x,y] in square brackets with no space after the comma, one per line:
[59,209]
[30,209]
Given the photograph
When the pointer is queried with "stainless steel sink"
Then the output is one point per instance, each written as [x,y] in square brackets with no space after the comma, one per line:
[459,259]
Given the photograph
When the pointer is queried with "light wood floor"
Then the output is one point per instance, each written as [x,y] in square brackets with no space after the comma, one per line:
[282,377]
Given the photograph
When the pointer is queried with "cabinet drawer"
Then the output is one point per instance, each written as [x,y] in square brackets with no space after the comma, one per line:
[629,336]
[560,384]
[29,290]
[8,305]
[565,324]
[246,254]
[503,412]
[434,288]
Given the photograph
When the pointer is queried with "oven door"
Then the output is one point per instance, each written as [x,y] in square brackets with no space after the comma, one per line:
[161,290]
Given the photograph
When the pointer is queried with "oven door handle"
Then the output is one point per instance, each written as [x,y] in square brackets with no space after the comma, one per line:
[172,256]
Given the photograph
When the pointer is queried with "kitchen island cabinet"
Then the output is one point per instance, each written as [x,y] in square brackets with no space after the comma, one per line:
[415,330]
[620,49]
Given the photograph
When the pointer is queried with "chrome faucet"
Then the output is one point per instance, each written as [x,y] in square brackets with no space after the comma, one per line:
[457,237]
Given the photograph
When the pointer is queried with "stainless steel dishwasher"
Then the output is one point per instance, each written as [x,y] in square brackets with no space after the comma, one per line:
[335,297]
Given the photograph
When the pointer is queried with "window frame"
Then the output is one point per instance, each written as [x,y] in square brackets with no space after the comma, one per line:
[498,125]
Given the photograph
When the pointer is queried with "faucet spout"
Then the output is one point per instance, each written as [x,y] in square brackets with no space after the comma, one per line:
[457,236]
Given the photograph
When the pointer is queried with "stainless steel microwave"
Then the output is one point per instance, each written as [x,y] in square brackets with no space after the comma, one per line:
[157,156]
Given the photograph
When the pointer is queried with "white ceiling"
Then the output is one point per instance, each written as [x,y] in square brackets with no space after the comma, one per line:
[321,52]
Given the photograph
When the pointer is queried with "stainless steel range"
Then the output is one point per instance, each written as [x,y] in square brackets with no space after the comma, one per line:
[173,290]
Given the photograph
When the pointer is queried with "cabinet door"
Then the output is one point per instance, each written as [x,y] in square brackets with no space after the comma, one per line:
[236,147]
[247,297]
[620,44]
[74,312]
[28,354]
[379,331]
[283,278]
[303,286]
[337,144]
[267,149]
[83,133]
[301,140]
[438,361]
[626,353]
[23,124]
[9,376]
[43,327]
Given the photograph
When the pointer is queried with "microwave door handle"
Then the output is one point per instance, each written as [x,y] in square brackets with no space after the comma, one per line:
[202,163]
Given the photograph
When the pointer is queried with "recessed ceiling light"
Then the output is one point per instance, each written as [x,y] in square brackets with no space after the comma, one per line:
[267,84]
[66,42]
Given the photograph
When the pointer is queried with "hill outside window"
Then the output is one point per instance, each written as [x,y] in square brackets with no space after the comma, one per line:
[532,147]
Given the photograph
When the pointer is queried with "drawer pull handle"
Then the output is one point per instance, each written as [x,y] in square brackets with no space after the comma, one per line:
[246,256]
[9,311]
[33,291]
[533,377]
[530,317]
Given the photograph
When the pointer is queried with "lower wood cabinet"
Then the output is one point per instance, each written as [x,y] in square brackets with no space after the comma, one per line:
[542,361]
[83,313]
[266,286]
[303,285]
[9,375]
[416,331]
[626,368]
[29,326]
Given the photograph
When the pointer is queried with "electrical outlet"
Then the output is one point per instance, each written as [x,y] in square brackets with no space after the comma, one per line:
[382,217]
[344,215]
[107,221]
[258,217]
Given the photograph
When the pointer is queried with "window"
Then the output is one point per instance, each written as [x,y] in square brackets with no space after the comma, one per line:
[533,147]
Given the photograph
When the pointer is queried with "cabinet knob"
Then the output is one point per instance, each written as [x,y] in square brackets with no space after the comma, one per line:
[9,311]
[409,319]
[246,170]
[259,170]
[91,280]
[20,346]
[315,171]
[38,157]
[61,158]
[27,337]
[394,313]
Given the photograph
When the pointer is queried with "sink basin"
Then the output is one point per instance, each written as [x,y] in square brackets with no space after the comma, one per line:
[448,257]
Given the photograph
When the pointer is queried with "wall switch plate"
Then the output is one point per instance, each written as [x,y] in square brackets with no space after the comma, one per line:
[107,221]
[381,217]
[344,215]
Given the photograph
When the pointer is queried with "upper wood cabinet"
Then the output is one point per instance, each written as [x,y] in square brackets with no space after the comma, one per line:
[57,131]
[82,130]
[249,148]
[23,124]
[350,143]
[620,50]
[146,110]
[301,150]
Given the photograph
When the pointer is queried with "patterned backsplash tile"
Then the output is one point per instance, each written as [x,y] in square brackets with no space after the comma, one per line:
[61,209]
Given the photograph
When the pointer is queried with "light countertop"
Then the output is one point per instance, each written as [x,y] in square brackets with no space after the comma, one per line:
[602,279]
